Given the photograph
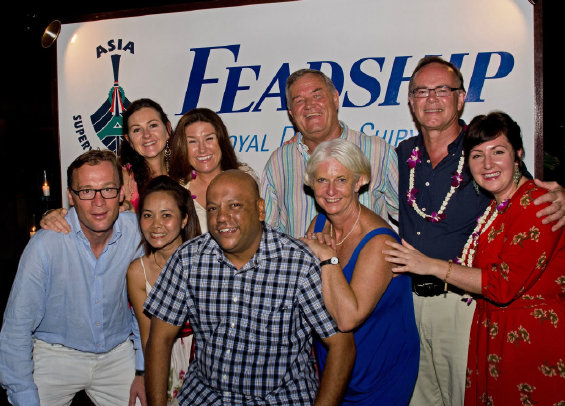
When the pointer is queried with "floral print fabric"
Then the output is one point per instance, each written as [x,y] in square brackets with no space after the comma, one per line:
[517,345]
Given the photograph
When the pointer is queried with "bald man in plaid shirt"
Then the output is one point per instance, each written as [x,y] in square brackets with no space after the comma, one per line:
[253,297]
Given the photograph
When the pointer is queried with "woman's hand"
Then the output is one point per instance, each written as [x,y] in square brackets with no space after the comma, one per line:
[322,245]
[55,220]
[408,259]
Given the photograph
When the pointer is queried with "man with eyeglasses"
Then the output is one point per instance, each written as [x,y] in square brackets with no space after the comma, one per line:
[439,208]
[67,324]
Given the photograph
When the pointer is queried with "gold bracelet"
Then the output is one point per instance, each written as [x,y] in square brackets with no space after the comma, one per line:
[449,265]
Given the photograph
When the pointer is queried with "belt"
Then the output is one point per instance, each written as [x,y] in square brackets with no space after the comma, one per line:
[427,286]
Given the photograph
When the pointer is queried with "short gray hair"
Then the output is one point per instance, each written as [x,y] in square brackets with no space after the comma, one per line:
[345,152]
[301,72]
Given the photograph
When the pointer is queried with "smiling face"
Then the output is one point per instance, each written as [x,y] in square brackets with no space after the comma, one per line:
[96,216]
[492,165]
[235,212]
[313,107]
[204,153]
[432,112]
[147,134]
[161,221]
[335,187]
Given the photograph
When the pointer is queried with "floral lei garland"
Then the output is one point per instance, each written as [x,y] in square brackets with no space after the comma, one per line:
[456,179]
[469,249]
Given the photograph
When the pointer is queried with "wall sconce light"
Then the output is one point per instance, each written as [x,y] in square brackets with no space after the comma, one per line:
[50,34]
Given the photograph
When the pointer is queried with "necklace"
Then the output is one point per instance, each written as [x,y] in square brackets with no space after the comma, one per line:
[456,179]
[469,249]
[155,260]
[350,231]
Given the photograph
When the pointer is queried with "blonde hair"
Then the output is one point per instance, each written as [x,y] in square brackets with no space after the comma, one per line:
[346,153]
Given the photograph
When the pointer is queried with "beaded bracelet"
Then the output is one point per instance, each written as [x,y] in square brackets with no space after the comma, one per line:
[449,265]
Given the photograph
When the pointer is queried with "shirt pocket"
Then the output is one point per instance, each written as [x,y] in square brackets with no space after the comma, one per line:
[271,324]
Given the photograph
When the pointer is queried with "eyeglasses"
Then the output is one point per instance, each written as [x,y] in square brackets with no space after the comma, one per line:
[440,91]
[90,194]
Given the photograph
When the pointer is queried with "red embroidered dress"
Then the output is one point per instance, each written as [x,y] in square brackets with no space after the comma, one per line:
[517,346]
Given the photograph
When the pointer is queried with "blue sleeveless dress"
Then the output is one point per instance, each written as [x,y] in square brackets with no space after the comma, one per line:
[388,346]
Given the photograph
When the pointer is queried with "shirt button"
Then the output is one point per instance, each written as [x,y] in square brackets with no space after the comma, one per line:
[224,378]
[428,161]
[228,352]
[418,233]
[96,301]
[427,183]
[423,209]
[97,324]
[235,299]
[232,325]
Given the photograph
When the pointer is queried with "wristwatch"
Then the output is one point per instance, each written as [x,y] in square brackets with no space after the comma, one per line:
[330,261]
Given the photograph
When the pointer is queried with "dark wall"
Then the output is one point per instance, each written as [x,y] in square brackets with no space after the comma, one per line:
[30,142]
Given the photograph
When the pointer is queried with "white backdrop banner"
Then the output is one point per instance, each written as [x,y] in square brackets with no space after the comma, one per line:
[236,60]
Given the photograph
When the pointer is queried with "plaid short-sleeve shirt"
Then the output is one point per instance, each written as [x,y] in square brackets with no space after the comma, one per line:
[253,327]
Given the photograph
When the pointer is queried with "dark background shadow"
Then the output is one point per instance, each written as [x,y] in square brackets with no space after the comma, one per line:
[30,141]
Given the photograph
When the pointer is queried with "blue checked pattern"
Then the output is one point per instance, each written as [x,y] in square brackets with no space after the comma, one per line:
[253,327]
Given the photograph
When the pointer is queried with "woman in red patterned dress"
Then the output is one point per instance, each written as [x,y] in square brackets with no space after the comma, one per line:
[515,266]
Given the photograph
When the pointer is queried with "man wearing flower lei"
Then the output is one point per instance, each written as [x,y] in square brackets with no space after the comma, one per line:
[439,208]
[515,265]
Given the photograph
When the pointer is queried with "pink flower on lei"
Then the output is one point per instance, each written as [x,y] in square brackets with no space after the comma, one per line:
[436,218]
[411,196]
[415,158]
[457,178]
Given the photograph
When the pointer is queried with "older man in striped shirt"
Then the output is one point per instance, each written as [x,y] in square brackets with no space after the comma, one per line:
[313,104]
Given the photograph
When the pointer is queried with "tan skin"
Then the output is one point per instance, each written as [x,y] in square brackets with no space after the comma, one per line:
[491,157]
[313,109]
[438,119]
[235,212]
[147,135]
[202,142]
[97,217]
[349,304]
[160,215]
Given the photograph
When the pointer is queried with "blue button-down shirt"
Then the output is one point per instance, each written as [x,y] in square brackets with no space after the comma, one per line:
[252,326]
[445,239]
[63,294]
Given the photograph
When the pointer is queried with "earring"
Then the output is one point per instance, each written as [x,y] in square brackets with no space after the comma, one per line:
[516,175]
[167,155]
[476,187]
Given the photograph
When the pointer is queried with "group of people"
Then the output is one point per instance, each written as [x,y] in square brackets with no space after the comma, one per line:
[296,288]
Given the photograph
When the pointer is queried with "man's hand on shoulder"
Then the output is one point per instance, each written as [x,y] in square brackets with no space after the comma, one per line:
[555,212]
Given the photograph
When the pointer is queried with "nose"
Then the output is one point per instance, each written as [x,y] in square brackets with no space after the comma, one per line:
[487,162]
[98,199]
[221,214]
[201,146]
[432,92]
[331,188]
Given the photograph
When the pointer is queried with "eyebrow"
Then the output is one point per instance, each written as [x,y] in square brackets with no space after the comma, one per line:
[313,91]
